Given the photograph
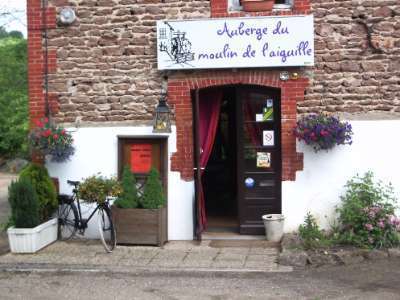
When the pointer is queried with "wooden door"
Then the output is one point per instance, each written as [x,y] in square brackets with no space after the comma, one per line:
[259,156]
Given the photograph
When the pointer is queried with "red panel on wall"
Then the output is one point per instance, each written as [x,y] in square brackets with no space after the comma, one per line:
[141,158]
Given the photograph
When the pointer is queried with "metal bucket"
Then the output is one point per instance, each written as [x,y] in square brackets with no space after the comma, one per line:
[273,227]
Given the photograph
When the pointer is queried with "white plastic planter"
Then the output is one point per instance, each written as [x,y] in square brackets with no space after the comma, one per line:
[30,240]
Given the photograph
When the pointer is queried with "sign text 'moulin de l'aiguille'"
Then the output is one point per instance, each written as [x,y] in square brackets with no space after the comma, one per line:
[236,43]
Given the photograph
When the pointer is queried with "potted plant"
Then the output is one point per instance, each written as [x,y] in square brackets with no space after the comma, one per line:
[140,220]
[97,188]
[51,140]
[257,5]
[323,132]
[32,200]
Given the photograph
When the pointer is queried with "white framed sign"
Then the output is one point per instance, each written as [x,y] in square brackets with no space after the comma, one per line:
[268,138]
[272,41]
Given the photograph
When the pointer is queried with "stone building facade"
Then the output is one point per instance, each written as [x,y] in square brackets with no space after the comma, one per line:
[102,74]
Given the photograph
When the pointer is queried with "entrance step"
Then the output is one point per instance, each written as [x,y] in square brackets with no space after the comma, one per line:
[243,244]
[227,235]
[232,238]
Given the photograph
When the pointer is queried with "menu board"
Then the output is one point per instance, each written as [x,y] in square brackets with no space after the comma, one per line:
[141,158]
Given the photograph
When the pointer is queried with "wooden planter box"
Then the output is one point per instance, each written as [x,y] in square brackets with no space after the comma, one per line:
[136,226]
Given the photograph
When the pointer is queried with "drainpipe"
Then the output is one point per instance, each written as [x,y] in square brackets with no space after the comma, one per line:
[45,59]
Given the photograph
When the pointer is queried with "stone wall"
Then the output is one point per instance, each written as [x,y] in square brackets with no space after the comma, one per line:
[357,57]
[106,62]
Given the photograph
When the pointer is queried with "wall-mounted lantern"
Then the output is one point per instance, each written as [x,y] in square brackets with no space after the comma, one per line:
[162,121]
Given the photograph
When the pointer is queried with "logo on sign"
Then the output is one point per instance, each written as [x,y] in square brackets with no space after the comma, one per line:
[175,44]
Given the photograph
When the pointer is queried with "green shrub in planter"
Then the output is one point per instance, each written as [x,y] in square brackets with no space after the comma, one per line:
[44,187]
[129,196]
[24,204]
[153,194]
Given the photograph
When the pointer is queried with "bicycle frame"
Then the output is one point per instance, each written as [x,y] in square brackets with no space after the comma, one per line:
[105,222]
[83,223]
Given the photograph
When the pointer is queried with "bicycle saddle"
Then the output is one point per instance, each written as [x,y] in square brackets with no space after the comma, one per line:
[74,183]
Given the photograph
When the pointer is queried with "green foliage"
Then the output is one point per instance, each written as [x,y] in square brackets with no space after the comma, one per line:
[153,194]
[367,214]
[311,235]
[97,188]
[44,187]
[129,196]
[24,204]
[13,95]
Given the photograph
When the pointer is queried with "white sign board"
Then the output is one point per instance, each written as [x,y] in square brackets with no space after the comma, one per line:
[277,41]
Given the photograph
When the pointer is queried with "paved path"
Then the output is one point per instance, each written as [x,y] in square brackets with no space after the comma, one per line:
[207,256]
[5,180]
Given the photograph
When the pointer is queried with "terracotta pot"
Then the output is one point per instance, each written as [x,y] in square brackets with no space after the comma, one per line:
[257,5]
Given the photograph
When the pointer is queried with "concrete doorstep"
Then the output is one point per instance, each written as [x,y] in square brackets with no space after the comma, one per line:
[175,258]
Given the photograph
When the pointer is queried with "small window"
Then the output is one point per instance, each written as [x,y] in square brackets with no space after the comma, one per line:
[235,5]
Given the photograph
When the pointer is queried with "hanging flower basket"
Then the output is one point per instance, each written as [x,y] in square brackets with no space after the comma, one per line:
[51,140]
[323,132]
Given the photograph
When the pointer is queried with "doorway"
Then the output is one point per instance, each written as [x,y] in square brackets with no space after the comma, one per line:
[237,155]
[219,177]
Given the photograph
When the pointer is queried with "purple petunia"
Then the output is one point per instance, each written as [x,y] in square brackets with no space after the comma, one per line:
[323,132]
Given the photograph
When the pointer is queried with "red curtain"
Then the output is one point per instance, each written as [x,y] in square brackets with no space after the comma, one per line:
[209,109]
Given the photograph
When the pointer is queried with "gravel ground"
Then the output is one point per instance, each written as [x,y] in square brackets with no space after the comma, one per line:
[374,280]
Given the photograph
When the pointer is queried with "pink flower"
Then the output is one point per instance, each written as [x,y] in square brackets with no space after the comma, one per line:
[38,123]
[376,209]
[55,136]
[46,133]
[63,131]
[368,226]
[324,132]
[393,220]
[381,224]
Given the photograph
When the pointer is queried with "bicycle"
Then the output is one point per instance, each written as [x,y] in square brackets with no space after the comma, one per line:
[70,218]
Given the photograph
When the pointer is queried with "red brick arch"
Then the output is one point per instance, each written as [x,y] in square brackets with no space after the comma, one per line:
[179,97]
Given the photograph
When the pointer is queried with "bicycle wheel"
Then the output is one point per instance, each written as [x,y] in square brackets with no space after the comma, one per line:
[106,229]
[67,220]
